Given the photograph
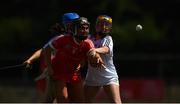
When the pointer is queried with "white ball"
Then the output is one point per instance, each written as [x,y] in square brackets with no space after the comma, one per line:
[138,27]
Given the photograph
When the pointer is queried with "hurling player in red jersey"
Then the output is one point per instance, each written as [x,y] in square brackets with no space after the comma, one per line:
[41,81]
[71,50]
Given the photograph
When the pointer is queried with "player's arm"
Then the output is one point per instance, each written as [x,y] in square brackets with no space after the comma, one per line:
[102,50]
[36,55]
[107,46]
[95,59]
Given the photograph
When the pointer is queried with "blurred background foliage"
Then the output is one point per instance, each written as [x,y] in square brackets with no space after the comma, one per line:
[26,23]
[24,26]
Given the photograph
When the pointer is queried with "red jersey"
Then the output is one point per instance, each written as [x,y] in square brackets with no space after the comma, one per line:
[41,83]
[69,55]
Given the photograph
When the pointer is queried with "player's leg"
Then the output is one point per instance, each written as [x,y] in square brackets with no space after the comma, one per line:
[61,92]
[113,92]
[75,92]
[90,92]
[41,87]
[50,90]
[75,89]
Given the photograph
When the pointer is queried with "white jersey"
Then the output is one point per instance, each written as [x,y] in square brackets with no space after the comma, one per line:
[100,77]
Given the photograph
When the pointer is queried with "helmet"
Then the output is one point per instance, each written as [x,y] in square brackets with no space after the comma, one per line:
[67,20]
[77,25]
[103,24]
[69,17]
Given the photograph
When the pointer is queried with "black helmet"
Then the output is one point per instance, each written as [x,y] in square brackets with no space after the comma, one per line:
[77,25]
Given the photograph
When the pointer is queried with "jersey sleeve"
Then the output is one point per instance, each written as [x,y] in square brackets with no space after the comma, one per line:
[107,41]
[89,45]
[56,42]
[52,39]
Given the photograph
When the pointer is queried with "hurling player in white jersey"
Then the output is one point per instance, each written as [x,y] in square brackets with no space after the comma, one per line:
[106,77]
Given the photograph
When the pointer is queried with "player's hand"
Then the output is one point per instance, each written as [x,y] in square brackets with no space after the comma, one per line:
[100,62]
[28,64]
[97,63]
[95,60]
[78,68]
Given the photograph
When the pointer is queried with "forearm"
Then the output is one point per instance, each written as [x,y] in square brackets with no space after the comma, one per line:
[34,57]
[102,50]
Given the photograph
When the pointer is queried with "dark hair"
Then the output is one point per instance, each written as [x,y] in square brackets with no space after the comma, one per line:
[57,29]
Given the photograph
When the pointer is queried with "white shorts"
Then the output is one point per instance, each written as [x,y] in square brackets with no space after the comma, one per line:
[114,81]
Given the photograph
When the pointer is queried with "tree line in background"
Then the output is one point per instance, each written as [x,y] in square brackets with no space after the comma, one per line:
[24,25]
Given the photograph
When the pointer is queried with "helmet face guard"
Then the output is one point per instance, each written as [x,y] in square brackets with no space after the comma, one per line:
[80,25]
[103,24]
